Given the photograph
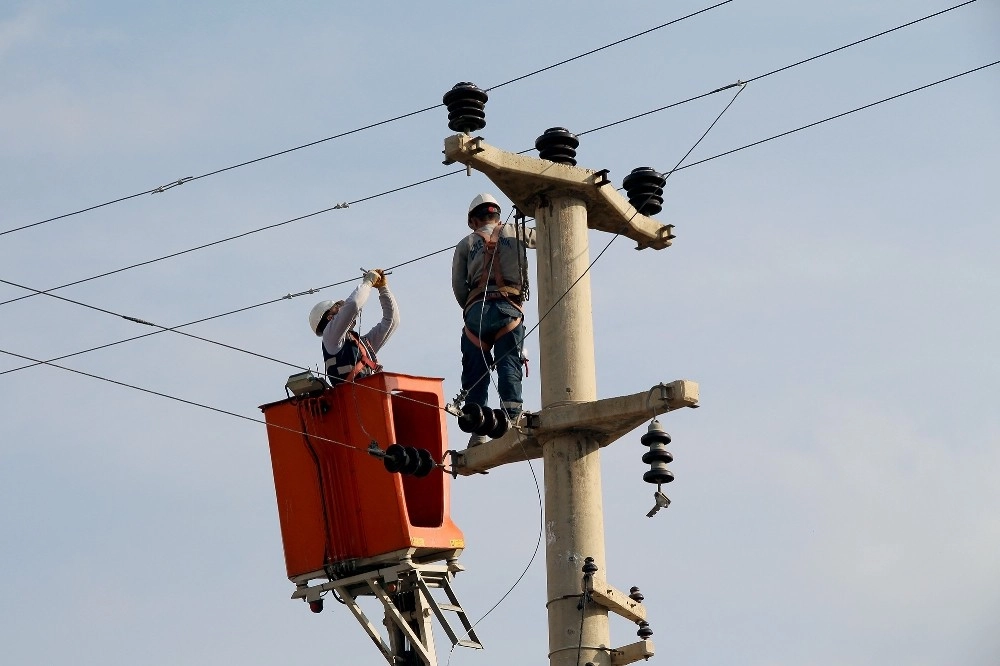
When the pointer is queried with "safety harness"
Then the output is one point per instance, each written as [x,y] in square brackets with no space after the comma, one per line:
[492,276]
[355,360]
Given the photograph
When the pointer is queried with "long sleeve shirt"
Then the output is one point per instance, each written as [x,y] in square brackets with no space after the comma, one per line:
[336,331]
[468,262]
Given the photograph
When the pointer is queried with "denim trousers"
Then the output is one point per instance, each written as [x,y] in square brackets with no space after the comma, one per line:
[484,319]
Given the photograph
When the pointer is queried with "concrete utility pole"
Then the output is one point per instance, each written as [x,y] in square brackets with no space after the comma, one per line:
[573,424]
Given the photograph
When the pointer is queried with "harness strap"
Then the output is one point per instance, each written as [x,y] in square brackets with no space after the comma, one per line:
[366,360]
[492,269]
[486,344]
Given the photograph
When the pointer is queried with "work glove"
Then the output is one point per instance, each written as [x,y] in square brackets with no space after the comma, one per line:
[379,281]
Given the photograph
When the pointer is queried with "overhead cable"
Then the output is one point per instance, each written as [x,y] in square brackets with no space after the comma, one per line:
[188,179]
[839,115]
[148,323]
[173,397]
[679,168]
[778,70]
[457,171]
[162,329]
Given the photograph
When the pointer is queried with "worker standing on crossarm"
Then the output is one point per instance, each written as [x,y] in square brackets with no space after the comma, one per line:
[489,279]
[346,355]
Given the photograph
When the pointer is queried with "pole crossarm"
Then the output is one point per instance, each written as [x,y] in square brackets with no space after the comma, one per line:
[606,420]
[616,601]
[524,179]
[632,653]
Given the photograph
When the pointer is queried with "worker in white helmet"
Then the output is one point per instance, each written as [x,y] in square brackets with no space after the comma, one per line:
[489,279]
[346,355]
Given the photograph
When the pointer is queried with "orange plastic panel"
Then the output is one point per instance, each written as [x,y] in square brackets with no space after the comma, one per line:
[337,503]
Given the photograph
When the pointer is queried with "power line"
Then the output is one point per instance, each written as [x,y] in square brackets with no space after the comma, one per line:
[845,46]
[163,329]
[839,115]
[188,179]
[729,152]
[339,206]
[149,323]
[776,71]
[172,397]
[451,173]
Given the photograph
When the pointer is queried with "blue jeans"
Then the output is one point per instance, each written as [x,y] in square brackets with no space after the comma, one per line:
[484,320]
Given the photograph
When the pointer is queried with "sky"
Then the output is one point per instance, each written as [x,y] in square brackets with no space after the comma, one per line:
[832,291]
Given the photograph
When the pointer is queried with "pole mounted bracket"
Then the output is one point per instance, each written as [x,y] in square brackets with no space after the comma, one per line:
[522,178]
[634,652]
[606,420]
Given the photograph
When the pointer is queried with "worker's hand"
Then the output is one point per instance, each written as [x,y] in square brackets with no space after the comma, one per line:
[380,279]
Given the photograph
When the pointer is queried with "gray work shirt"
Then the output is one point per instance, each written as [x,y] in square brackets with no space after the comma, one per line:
[467,264]
[336,331]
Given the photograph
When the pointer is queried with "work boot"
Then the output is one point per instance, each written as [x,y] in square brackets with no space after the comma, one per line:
[512,416]
[476,440]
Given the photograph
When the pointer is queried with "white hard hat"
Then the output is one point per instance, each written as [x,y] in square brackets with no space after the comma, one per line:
[484,198]
[316,315]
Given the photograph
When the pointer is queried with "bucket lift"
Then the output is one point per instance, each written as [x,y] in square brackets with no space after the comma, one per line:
[351,528]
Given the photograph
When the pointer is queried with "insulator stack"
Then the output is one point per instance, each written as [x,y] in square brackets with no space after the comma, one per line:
[657,457]
[482,421]
[558,144]
[644,630]
[466,107]
[589,568]
[635,595]
[408,460]
[644,187]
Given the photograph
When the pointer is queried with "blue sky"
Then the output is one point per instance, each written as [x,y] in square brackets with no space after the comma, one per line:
[833,292]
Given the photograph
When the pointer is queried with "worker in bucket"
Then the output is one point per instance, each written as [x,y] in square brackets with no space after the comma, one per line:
[346,355]
[489,279]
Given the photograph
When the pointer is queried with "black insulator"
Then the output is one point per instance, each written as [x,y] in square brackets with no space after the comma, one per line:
[316,606]
[558,144]
[396,458]
[488,424]
[657,454]
[656,438]
[466,107]
[412,463]
[589,567]
[644,187]
[501,427]
[655,433]
[658,476]
[471,418]
[425,463]
[635,595]
[644,630]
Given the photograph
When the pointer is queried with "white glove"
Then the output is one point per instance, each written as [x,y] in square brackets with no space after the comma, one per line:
[372,277]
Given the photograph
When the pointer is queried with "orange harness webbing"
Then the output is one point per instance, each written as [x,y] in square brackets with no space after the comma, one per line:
[365,360]
[491,268]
